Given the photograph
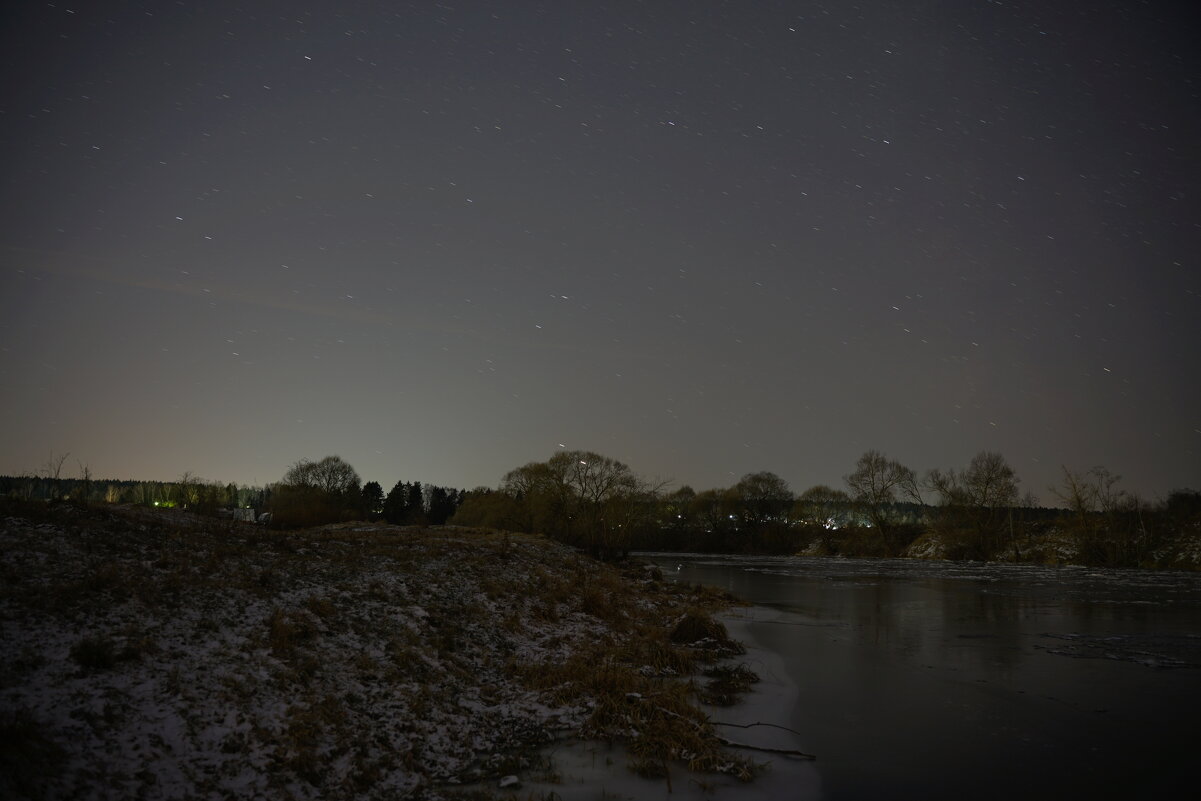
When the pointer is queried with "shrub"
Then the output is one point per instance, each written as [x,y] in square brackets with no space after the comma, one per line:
[698,630]
[94,653]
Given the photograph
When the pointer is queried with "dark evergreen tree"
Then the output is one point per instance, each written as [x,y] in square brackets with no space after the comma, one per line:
[396,502]
[415,507]
[454,498]
[373,499]
[441,506]
[352,502]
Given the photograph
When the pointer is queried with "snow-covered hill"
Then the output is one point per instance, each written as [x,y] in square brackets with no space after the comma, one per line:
[176,657]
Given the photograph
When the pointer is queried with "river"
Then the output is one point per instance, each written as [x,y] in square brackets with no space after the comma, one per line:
[912,679]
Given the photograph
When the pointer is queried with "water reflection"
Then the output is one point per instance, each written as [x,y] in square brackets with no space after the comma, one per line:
[949,680]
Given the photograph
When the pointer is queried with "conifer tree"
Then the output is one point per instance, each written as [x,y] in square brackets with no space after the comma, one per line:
[373,499]
[395,503]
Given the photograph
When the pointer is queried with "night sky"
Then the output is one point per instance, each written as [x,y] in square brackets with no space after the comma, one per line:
[705,238]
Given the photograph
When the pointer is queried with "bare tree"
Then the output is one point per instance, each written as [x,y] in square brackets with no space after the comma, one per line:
[876,484]
[534,500]
[332,474]
[976,503]
[581,497]
[27,484]
[823,509]
[761,498]
[312,493]
[675,510]
[1110,499]
[821,505]
[189,489]
[84,491]
[53,471]
[711,509]
[1104,532]
[595,488]
[1075,492]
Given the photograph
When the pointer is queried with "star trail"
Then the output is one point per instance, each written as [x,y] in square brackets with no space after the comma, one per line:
[705,238]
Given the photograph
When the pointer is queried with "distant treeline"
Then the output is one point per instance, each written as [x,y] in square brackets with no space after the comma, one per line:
[329,491]
[599,504]
[201,496]
[311,494]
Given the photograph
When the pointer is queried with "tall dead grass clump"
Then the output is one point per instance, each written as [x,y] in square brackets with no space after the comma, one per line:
[655,718]
[696,629]
[287,630]
[94,654]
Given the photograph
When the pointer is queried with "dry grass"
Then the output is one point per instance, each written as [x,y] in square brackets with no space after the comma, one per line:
[726,684]
[349,661]
[94,653]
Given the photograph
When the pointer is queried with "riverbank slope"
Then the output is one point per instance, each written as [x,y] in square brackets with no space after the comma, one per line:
[174,656]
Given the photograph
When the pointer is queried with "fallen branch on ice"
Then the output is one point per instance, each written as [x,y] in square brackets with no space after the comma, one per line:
[765,749]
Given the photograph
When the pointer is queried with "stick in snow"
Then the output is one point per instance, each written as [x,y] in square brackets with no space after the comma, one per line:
[733,744]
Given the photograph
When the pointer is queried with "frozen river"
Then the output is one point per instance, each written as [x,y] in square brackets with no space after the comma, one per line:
[941,680]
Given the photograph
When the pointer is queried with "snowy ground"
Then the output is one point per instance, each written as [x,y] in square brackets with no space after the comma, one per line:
[585,770]
[169,657]
[1057,546]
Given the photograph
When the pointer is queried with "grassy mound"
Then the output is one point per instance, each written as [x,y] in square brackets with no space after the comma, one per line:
[165,655]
